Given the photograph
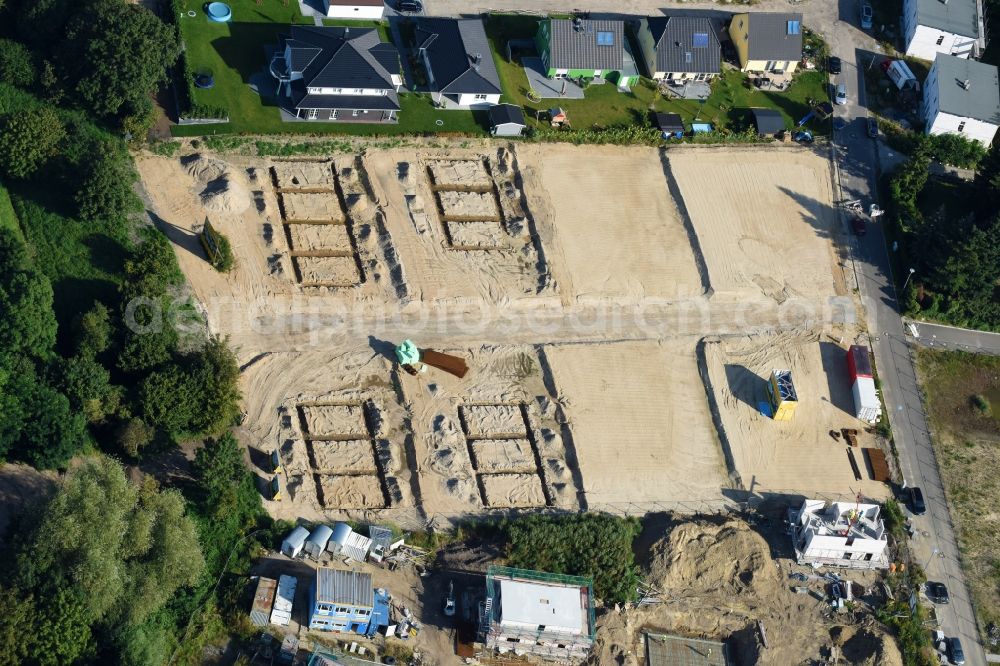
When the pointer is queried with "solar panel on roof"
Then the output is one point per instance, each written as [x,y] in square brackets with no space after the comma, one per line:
[700,40]
[605,38]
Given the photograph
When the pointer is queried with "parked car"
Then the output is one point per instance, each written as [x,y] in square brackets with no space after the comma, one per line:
[917,505]
[858,225]
[955,653]
[833,65]
[841,96]
[803,136]
[872,127]
[937,592]
[409,6]
[866,16]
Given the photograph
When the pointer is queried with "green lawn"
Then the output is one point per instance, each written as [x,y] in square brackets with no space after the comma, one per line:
[236,51]
[8,219]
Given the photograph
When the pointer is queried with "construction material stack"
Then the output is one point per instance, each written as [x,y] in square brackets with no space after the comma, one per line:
[782,395]
[867,406]
[281,614]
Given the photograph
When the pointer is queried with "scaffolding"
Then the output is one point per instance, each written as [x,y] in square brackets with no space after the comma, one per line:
[665,650]
[541,641]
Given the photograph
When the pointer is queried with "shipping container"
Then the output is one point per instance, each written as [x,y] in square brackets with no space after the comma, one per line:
[866,403]
[263,599]
[859,362]
[283,600]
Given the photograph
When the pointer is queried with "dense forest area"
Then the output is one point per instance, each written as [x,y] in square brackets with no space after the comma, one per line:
[949,235]
[103,361]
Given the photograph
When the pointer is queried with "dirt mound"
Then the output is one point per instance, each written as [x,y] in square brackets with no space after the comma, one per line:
[204,169]
[699,558]
[862,646]
[226,194]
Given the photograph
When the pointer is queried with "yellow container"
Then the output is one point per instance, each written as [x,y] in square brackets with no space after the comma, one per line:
[782,395]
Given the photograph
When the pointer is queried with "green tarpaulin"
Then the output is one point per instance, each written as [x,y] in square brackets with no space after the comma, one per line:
[407,353]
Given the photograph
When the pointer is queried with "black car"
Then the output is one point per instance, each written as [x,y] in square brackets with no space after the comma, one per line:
[409,6]
[917,505]
[955,652]
[858,225]
[833,65]
[937,592]
[872,127]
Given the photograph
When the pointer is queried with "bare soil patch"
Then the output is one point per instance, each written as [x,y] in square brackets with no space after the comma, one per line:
[475,235]
[459,173]
[319,237]
[315,176]
[328,271]
[334,421]
[763,219]
[311,207]
[641,426]
[362,491]
[490,456]
[343,456]
[512,490]
[797,456]
[490,421]
[467,205]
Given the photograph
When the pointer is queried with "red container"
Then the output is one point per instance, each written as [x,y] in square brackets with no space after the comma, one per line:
[859,363]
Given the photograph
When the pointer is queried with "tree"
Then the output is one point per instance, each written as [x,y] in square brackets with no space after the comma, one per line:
[125,549]
[119,53]
[17,66]
[92,330]
[106,190]
[62,628]
[88,386]
[27,324]
[28,139]
[50,431]
[16,626]
[133,436]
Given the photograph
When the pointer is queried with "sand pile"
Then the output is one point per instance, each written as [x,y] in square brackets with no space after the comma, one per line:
[699,559]
[204,169]
[225,190]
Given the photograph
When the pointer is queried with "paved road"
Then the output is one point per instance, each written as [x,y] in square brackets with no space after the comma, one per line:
[951,337]
[934,546]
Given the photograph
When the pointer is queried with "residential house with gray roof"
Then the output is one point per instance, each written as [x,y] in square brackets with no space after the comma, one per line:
[952,27]
[962,96]
[767,42]
[459,63]
[337,74]
[583,49]
[679,48]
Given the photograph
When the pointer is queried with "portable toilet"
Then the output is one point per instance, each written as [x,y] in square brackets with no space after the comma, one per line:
[294,542]
[782,395]
[316,543]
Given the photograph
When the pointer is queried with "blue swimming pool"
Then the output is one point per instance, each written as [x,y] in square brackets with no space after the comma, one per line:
[219,12]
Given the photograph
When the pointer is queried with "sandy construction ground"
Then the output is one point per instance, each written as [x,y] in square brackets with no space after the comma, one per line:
[616,231]
[797,456]
[487,235]
[319,238]
[468,205]
[311,207]
[303,175]
[641,427]
[469,173]
[763,219]
[333,421]
[328,271]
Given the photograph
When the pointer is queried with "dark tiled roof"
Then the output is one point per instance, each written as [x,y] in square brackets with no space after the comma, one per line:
[459,55]
[669,122]
[769,36]
[501,114]
[337,57]
[768,121]
[574,44]
[679,50]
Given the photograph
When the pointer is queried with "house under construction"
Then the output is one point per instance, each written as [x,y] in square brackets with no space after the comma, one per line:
[532,612]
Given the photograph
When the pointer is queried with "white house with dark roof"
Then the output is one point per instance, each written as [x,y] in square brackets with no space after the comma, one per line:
[962,96]
[840,534]
[952,27]
[679,48]
[769,42]
[459,62]
[337,74]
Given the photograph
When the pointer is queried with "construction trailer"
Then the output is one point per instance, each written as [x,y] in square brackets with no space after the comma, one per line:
[317,541]
[284,599]
[263,599]
[294,542]
[782,396]
[346,542]
[533,612]
[867,405]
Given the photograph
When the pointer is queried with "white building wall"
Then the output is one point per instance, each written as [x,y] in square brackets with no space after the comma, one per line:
[355,11]
[945,123]
[924,43]
[473,103]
